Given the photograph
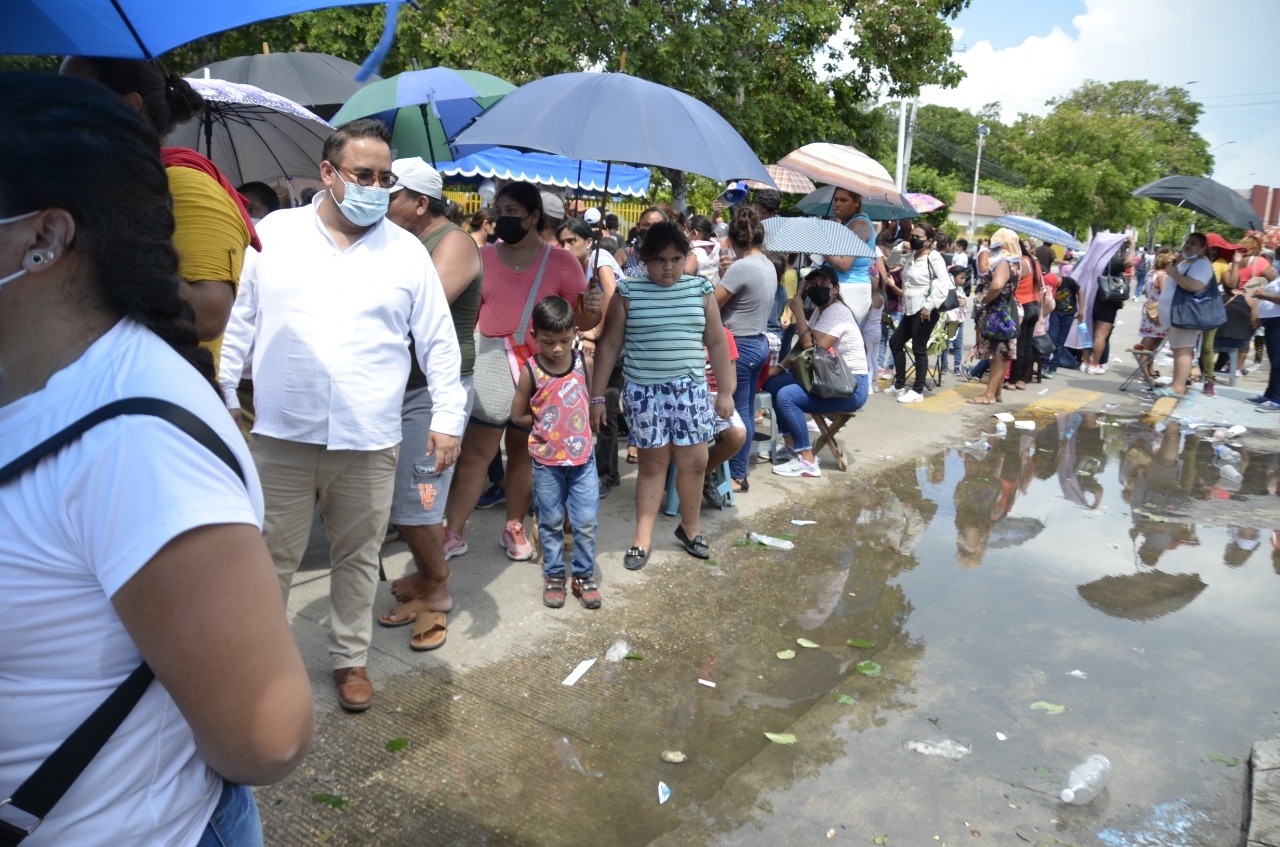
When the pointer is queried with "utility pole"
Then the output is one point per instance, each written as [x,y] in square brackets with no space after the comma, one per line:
[983,132]
[902,138]
[906,158]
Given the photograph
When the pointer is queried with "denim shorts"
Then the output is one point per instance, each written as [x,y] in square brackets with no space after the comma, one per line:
[235,821]
[420,492]
[676,412]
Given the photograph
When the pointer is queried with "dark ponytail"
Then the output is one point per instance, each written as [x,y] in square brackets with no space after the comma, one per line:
[167,99]
[74,145]
[746,230]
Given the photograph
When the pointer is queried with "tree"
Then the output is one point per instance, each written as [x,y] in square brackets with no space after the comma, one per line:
[1026,202]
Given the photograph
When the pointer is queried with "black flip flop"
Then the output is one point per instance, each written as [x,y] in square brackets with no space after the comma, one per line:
[696,546]
[635,559]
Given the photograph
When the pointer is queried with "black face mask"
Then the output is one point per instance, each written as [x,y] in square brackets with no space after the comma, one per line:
[509,229]
[819,295]
[491,239]
[917,243]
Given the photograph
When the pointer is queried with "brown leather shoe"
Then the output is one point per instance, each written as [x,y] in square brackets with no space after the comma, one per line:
[355,691]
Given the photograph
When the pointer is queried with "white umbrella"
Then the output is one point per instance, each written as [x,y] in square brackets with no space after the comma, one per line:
[253,135]
[814,235]
[848,167]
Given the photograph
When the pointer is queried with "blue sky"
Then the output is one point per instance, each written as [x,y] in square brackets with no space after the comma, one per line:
[1022,54]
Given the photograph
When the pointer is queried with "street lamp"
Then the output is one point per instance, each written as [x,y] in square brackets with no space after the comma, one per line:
[983,132]
[1223,144]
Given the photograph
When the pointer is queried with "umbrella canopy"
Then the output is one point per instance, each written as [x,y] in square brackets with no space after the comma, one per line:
[1013,530]
[131,29]
[1204,196]
[318,81]
[618,118]
[546,169]
[848,167]
[820,202]
[251,134]
[787,180]
[813,235]
[1037,228]
[923,203]
[1142,596]
[424,109]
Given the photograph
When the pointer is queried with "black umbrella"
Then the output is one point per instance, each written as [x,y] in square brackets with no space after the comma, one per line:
[318,81]
[1204,196]
[1142,596]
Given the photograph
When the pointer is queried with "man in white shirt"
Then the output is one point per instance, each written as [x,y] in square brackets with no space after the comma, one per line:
[328,309]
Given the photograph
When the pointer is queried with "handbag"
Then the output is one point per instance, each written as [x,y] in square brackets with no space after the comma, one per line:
[953,299]
[801,364]
[1202,310]
[1043,345]
[1000,323]
[830,377]
[32,801]
[1113,289]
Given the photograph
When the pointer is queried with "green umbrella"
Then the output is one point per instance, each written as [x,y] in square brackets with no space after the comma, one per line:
[425,109]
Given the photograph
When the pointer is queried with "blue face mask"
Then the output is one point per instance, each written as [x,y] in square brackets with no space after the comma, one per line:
[13,220]
[363,205]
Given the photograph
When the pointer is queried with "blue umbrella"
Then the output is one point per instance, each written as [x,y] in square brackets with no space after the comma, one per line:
[546,169]
[617,118]
[1037,228]
[133,29]
[820,202]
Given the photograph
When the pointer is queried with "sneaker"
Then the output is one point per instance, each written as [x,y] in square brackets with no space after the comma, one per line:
[585,589]
[1240,373]
[895,391]
[604,490]
[911,396]
[492,497]
[553,592]
[1048,374]
[956,372]
[1268,407]
[454,544]
[1208,389]
[799,467]
[811,425]
[516,544]
[1261,398]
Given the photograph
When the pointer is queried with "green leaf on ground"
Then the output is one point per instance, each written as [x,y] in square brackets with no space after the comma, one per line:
[633,656]
[1229,761]
[804,642]
[786,654]
[881,839]
[1040,839]
[1048,708]
[860,643]
[711,563]
[780,737]
[743,542]
[397,744]
[845,699]
[331,800]
[786,536]
[1043,771]
[869,668]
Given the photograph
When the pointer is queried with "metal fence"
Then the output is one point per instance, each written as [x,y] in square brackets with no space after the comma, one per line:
[628,211]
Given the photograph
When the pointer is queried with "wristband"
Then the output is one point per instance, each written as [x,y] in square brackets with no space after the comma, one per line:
[598,401]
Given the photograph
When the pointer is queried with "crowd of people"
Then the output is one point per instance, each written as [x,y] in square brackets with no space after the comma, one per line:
[393,369]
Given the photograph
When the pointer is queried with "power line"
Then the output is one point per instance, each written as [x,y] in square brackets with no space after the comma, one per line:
[966,158]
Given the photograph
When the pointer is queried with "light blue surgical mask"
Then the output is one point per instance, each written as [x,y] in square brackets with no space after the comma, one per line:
[13,220]
[363,205]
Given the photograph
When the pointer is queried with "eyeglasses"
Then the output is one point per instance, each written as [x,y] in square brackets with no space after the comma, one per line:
[367,178]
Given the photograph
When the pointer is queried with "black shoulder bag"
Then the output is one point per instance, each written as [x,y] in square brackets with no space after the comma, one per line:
[28,806]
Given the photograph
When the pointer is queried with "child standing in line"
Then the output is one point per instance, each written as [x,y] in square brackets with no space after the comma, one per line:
[552,398]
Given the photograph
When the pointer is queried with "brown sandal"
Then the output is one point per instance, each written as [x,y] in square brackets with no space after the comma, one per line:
[633,458]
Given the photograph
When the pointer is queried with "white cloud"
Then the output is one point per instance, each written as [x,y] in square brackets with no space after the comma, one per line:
[1225,48]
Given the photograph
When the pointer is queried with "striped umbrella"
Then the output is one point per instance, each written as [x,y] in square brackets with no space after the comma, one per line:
[814,235]
[846,167]
[923,203]
[788,181]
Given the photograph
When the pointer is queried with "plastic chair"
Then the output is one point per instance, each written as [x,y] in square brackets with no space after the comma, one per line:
[671,499]
[764,400]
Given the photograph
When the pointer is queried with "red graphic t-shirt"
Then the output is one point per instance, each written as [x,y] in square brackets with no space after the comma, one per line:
[561,414]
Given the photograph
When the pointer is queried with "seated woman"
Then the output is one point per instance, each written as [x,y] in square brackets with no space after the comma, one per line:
[663,320]
[833,326]
[136,532]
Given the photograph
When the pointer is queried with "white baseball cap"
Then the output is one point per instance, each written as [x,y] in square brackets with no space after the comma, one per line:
[415,174]
[552,206]
[591,216]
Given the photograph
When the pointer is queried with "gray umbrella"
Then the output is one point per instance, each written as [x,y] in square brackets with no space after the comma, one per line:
[1204,196]
[318,81]
[1142,596]
[814,235]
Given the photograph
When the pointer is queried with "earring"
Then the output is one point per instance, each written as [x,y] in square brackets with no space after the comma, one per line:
[37,258]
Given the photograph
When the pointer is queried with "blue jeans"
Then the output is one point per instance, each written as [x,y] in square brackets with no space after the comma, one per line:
[884,359]
[791,403]
[235,821]
[753,354]
[1271,337]
[955,348]
[1059,327]
[575,489]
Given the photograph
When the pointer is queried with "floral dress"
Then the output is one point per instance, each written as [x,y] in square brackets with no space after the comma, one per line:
[1148,326]
[985,348]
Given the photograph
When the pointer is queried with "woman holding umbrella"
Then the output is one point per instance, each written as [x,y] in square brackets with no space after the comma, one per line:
[854,273]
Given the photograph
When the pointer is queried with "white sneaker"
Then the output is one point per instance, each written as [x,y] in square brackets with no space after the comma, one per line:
[799,467]
[892,391]
[911,396]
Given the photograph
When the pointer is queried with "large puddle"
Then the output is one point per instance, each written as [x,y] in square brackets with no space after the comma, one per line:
[1093,586]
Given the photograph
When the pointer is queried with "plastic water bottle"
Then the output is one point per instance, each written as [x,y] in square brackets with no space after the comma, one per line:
[770,541]
[1087,780]
[1226,455]
[1002,428]
[1086,335]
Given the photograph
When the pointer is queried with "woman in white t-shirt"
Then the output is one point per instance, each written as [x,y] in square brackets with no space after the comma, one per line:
[834,327]
[1191,274]
[134,542]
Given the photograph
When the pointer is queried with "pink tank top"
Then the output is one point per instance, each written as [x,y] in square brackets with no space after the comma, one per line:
[561,414]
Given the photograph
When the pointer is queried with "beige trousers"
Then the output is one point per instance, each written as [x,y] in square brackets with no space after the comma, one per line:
[354,490]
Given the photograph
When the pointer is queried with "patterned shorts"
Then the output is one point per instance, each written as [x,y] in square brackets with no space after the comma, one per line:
[677,412]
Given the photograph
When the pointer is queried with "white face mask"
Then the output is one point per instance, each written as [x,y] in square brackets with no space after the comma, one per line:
[4,221]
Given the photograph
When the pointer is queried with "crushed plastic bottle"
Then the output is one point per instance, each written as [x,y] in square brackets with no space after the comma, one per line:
[1002,428]
[617,651]
[1087,780]
[1225,455]
[770,541]
[1231,474]
[1237,431]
